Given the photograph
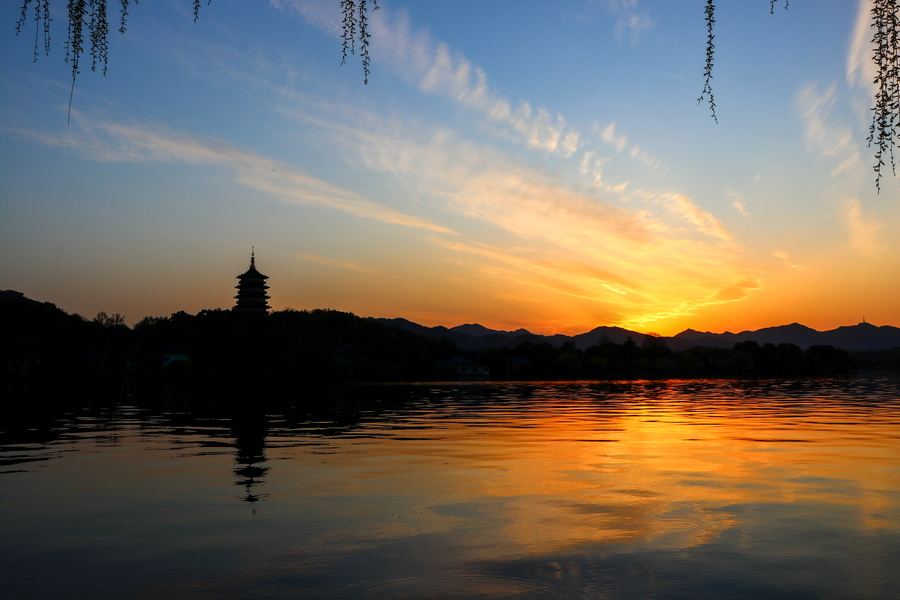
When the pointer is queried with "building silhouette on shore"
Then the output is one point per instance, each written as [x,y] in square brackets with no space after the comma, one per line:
[251,296]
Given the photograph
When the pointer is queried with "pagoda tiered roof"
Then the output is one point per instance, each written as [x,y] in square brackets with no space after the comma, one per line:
[251,287]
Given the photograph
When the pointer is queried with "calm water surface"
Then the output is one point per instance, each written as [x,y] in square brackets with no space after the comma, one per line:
[655,489]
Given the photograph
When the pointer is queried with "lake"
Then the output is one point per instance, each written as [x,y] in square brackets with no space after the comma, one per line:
[627,489]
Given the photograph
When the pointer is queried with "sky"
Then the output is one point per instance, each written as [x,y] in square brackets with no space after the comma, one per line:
[518,164]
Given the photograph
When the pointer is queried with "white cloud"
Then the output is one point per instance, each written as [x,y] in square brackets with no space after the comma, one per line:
[644,158]
[631,19]
[609,136]
[836,144]
[592,166]
[862,230]
[333,262]
[738,200]
[780,254]
[860,68]
[585,162]
[324,14]
[682,206]
[569,277]
[136,143]
[639,257]
[436,69]
[623,251]
[570,143]
[833,142]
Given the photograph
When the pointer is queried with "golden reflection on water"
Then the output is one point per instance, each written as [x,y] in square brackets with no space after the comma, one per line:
[548,475]
[628,489]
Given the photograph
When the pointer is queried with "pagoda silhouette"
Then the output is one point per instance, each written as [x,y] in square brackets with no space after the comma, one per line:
[251,287]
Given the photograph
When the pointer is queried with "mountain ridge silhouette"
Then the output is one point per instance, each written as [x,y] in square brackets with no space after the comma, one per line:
[476,337]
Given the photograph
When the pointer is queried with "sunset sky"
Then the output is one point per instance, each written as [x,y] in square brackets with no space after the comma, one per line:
[543,165]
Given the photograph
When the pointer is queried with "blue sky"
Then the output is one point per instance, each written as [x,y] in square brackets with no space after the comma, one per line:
[518,164]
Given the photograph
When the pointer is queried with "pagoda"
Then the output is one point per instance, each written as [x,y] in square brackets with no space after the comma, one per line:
[251,287]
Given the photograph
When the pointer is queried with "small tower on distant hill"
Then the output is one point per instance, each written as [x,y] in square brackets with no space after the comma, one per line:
[251,287]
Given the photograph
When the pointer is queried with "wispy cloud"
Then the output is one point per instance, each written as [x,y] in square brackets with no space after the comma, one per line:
[737,290]
[617,141]
[324,14]
[738,200]
[606,252]
[631,20]
[522,203]
[566,276]
[137,143]
[834,142]
[636,301]
[592,165]
[860,68]
[436,69]
[681,205]
[782,255]
[643,157]
[862,230]
[661,257]
[333,262]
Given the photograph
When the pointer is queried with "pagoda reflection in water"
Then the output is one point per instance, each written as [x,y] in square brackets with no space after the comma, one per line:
[251,287]
[249,431]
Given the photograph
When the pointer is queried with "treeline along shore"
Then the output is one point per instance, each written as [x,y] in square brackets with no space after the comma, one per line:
[39,341]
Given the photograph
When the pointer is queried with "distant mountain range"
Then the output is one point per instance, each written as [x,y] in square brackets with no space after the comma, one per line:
[475,337]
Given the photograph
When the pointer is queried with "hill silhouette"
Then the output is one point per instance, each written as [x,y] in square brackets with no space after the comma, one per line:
[475,337]
[40,341]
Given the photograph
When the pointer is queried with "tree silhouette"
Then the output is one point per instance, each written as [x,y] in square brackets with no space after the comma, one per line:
[884,131]
[106,320]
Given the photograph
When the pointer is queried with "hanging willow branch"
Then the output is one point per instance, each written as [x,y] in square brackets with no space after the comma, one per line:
[356,21]
[710,49]
[92,15]
[884,132]
[89,14]
[710,52]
